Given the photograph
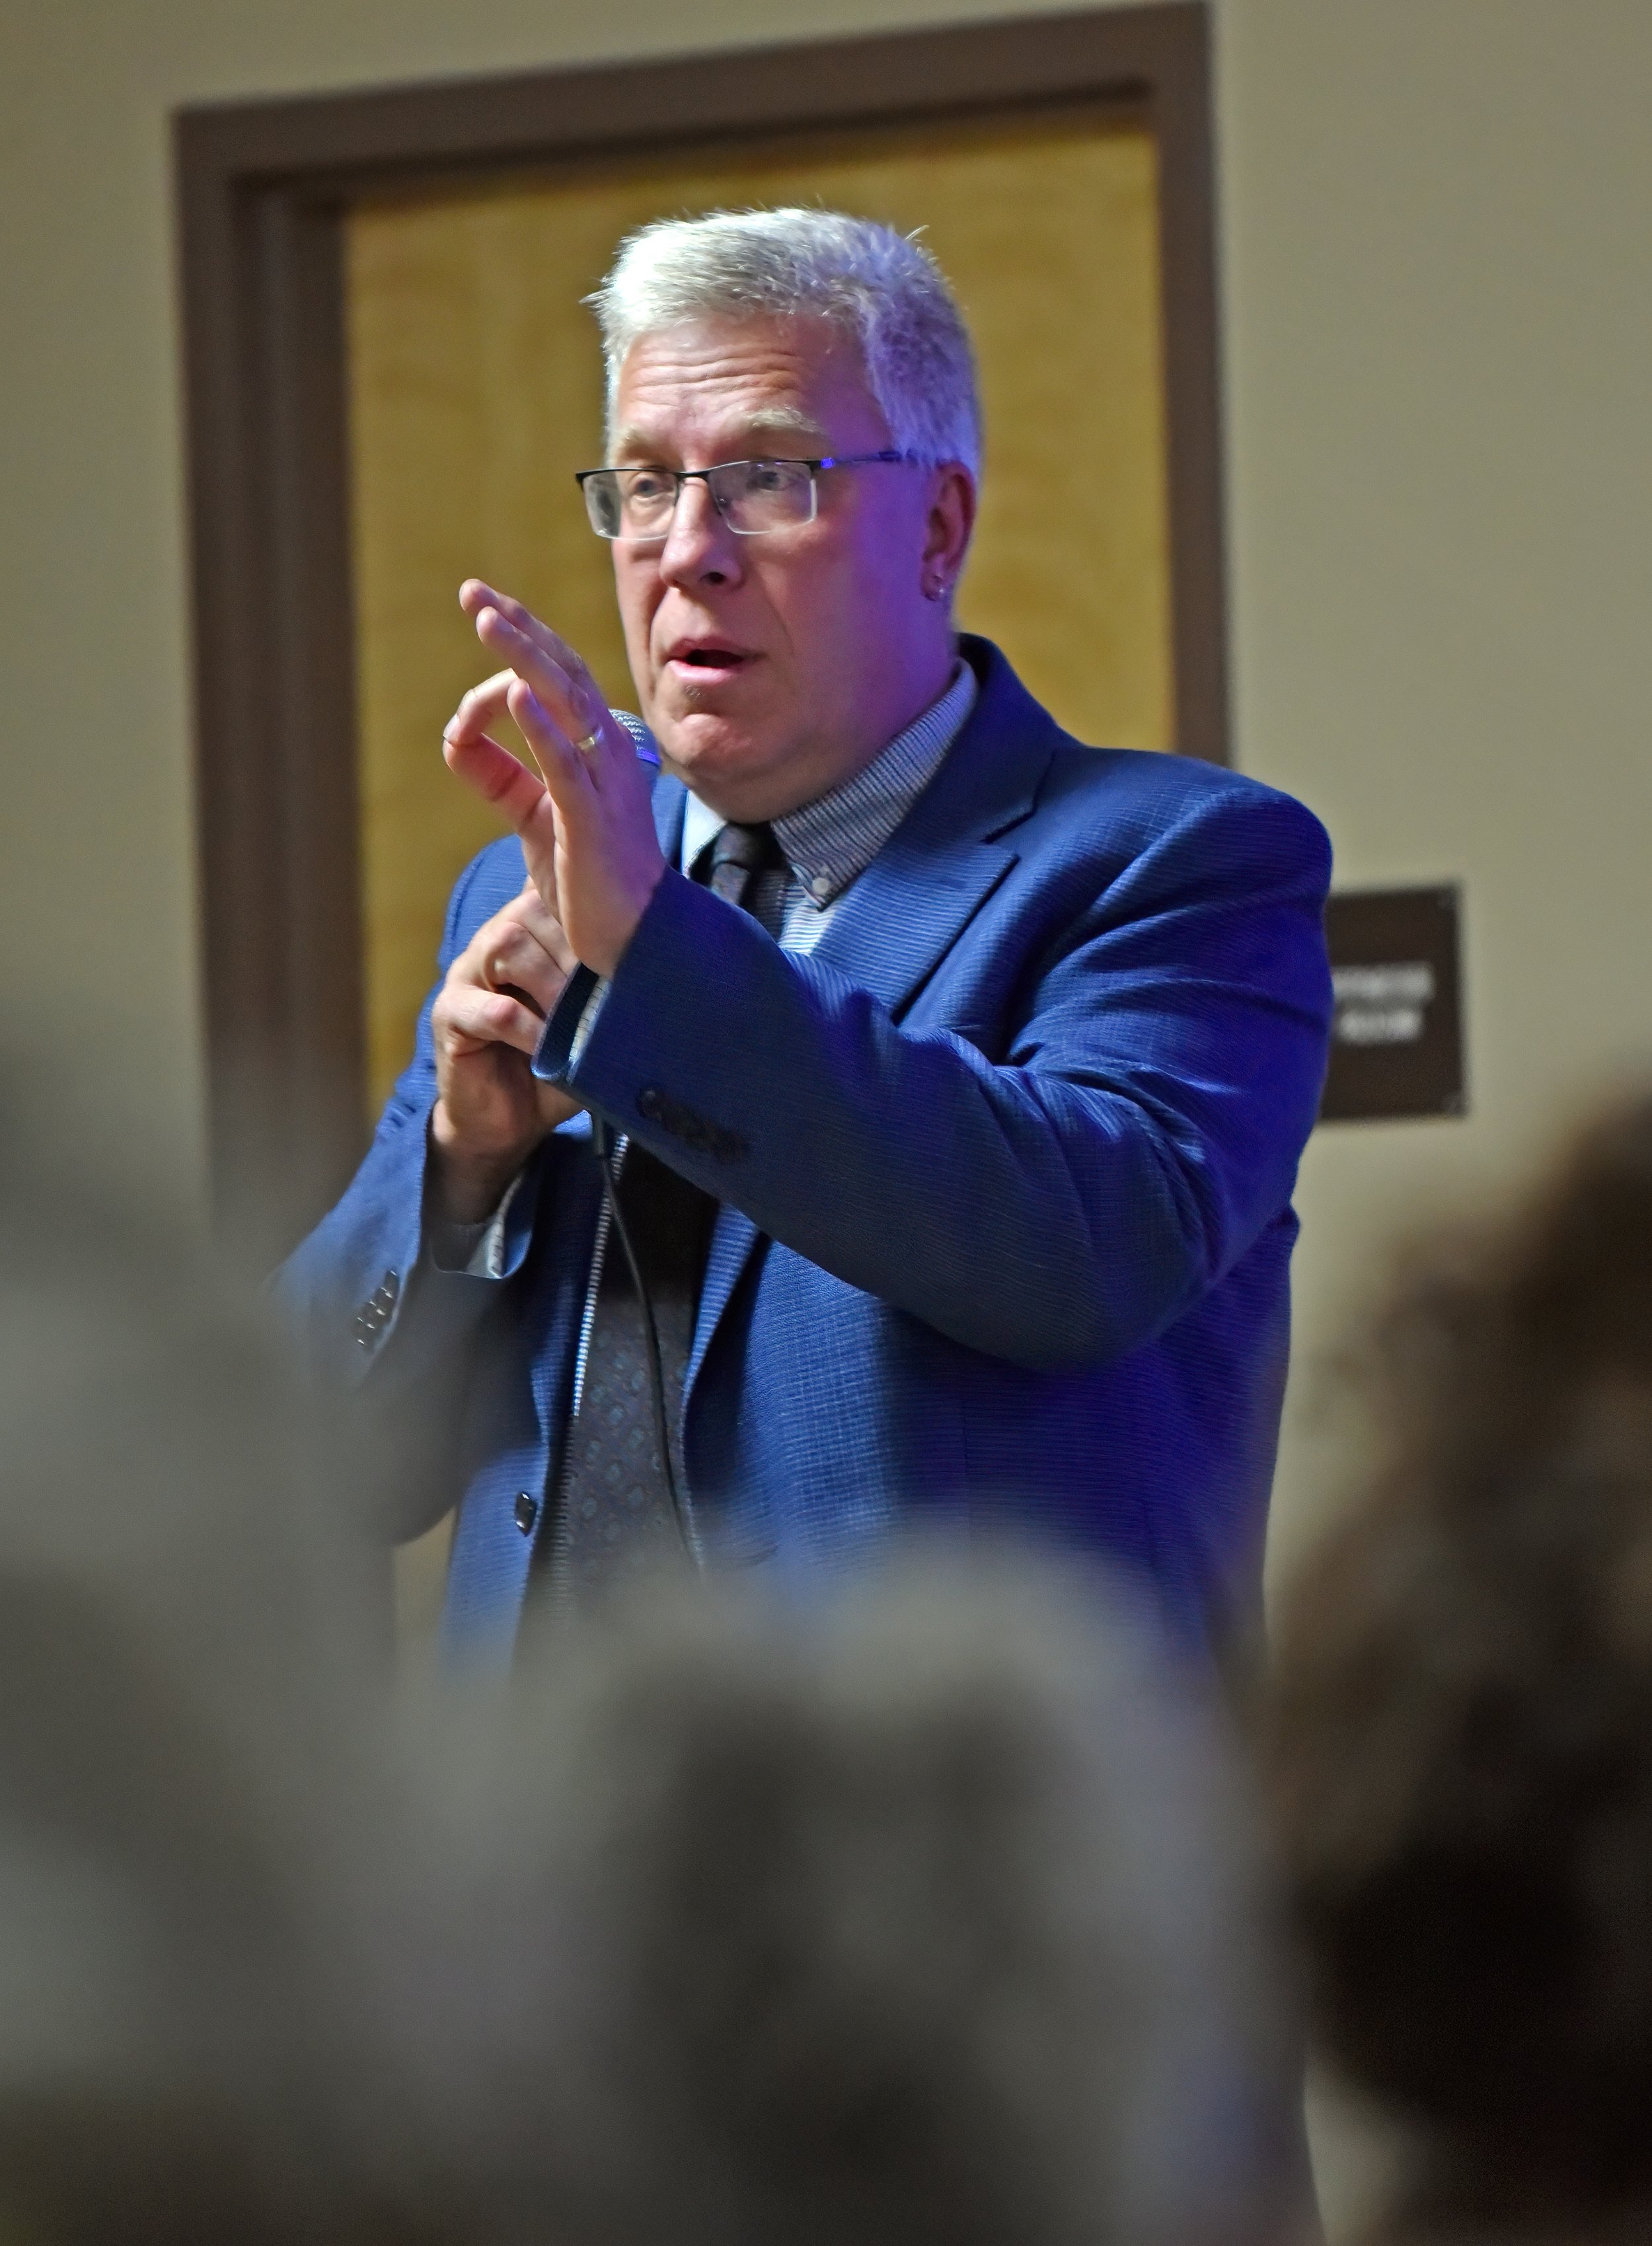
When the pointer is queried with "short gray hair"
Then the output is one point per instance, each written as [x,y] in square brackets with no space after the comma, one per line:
[881,286]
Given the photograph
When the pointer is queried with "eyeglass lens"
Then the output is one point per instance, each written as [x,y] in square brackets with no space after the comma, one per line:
[751,496]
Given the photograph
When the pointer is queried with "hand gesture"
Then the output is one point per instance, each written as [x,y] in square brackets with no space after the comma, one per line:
[586,821]
[491,1110]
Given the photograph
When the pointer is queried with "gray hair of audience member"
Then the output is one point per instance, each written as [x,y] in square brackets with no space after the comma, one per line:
[1461,1728]
[184,1768]
[919,1912]
[882,289]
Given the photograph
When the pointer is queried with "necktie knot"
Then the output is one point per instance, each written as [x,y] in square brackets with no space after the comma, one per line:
[738,855]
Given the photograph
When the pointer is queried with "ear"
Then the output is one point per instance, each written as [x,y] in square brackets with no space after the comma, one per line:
[949,525]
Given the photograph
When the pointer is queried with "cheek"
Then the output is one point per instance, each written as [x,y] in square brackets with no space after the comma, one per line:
[889,539]
[822,599]
[851,599]
[638,592]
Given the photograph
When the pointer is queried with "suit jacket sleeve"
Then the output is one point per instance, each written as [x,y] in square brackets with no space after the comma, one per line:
[373,1245]
[1056,1206]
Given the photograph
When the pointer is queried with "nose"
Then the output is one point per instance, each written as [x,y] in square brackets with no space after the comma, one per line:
[700,548]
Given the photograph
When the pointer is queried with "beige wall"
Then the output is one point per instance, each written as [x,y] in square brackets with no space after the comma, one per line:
[1437,328]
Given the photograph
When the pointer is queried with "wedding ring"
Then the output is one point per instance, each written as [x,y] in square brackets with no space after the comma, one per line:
[589,742]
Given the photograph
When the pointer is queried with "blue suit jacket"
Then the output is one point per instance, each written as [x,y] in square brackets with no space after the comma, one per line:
[1006,1166]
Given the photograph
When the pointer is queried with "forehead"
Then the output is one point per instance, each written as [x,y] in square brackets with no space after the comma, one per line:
[700,385]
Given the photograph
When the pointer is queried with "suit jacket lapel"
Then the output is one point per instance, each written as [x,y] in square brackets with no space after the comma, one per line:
[897,922]
[733,1238]
[734,1234]
[906,912]
[670,800]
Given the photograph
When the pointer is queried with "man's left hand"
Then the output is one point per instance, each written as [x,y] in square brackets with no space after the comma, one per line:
[586,823]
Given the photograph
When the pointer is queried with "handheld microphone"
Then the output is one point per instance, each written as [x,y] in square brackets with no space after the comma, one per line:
[644,742]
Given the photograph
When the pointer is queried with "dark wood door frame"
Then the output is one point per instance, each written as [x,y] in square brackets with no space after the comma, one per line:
[262,189]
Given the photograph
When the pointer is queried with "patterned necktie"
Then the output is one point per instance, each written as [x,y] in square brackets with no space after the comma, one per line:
[616,1518]
[740,856]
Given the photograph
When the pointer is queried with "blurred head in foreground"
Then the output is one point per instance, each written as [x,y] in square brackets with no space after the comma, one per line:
[1462,1727]
[185,1680]
[922,1913]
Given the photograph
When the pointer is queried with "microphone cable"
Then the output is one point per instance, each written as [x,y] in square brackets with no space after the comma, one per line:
[608,1153]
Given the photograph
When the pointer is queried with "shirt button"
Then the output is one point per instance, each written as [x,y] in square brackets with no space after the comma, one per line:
[527,1512]
[650,1101]
[821,885]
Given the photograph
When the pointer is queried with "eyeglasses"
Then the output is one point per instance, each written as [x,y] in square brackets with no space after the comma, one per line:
[753,497]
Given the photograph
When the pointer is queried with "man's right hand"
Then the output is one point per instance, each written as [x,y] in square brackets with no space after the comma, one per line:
[491,1110]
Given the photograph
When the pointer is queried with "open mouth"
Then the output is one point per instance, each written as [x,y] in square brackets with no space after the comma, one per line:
[705,663]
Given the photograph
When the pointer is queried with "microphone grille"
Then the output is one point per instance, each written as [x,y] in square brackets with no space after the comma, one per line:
[647,747]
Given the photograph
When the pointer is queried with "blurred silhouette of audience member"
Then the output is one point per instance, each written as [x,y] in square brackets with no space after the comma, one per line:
[1461,1729]
[922,1912]
[187,1768]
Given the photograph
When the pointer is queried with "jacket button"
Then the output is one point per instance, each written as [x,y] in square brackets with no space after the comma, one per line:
[527,1512]
[650,1102]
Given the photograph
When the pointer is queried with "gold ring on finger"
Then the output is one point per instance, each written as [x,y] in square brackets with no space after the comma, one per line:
[589,741]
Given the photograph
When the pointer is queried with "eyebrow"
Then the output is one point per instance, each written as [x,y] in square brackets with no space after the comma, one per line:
[777,421]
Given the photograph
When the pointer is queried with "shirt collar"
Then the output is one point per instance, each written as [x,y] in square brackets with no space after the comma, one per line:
[830,841]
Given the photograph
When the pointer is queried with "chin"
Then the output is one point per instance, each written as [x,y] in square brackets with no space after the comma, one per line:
[704,745]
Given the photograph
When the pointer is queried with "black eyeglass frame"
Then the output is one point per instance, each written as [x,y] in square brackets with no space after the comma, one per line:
[682,476]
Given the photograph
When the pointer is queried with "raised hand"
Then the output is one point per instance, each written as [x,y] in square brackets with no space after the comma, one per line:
[585,822]
[491,1110]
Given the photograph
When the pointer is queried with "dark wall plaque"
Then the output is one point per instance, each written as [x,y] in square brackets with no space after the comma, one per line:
[1397,1047]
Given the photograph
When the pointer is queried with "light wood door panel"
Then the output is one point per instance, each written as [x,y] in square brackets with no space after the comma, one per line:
[476,391]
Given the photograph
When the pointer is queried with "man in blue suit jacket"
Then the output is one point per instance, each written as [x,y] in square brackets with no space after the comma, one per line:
[995,1089]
